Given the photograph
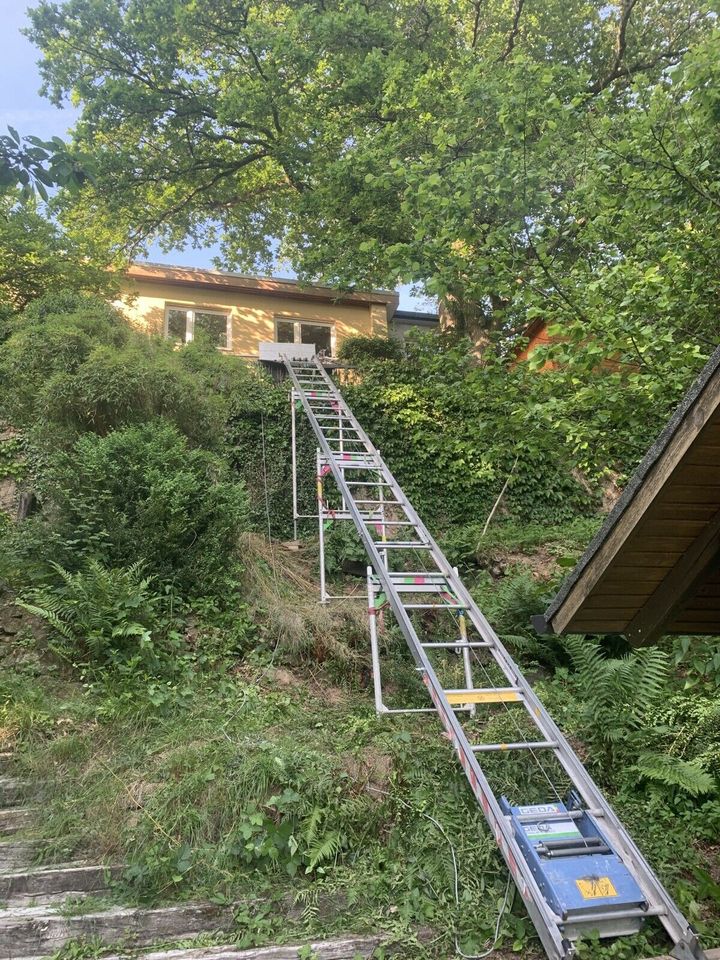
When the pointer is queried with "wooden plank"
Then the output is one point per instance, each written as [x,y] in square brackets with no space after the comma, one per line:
[676,526]
[679,585]
[16,854]
[679,513]
[596,625]
[342,948]
[50,881]
[702,493]
[668,542]
[12,791]
[13,819]
[647,558]
[694,474]
[40,931]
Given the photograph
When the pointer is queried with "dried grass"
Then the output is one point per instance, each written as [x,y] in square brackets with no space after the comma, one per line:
[284,596]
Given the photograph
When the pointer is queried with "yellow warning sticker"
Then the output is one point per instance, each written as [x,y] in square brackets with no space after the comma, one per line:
[593,888]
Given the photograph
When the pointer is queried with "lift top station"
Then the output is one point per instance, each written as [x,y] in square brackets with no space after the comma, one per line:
[576,868]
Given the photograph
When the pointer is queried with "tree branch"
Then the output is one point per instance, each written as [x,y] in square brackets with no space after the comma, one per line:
[514,30]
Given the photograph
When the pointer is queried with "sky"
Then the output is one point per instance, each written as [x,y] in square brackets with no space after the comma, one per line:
[22,107]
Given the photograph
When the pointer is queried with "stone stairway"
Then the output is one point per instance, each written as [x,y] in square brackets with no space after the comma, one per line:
[41,907]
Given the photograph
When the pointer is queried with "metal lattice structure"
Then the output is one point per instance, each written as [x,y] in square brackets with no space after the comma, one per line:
[572,861]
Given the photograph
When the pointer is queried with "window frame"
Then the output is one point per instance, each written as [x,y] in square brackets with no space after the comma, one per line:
[190,322]
[297,323]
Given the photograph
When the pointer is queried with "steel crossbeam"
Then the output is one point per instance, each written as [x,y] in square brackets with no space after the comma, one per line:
[333,423]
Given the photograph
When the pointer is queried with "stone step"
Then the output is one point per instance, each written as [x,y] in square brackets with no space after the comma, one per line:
[13,819]
[342,948]
[42,931]
[18,854]
[50,884]
[12,791]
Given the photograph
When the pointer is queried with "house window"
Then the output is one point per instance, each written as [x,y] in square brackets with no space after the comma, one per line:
[183,325]
[305,331]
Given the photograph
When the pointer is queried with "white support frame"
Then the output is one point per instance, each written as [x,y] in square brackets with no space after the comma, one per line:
[190,321]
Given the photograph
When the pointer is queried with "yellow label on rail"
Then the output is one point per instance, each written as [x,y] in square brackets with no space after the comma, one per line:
[483,696]
[595,888]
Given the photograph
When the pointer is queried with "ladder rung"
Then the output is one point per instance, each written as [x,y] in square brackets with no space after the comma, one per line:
[591,918]
[537,745]
[435,606]
[380,503]
[401,545]
[396,523]
[367,483]
[458,645]
[559,815]
[489,695]
[418,578]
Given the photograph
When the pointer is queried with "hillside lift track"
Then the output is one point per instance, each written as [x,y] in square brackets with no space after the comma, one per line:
[573,863]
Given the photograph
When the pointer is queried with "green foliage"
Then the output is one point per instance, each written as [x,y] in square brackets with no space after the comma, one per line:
[38,257]
[699,658]
[619,703]
[355,350]
[72,364]
[532,173]
[453,432]
[143,494]
[673,772]
[34,165]
[101,615]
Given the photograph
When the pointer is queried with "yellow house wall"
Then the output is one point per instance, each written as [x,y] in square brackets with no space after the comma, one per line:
[253,316]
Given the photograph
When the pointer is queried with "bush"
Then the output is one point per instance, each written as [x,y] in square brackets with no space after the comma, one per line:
[359,349]
[143,494]
[73,363]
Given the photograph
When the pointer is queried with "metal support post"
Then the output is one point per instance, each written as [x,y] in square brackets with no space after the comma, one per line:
[321,524]
[374,650]
[293,400]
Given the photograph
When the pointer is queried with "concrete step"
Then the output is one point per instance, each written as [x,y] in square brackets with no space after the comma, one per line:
[42,931]
[342,948]
[13,819]
[18,854]
[45,885]
[12,791]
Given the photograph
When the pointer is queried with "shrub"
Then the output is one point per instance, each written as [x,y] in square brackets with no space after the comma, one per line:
[143,494]
[357,349]
[73,363]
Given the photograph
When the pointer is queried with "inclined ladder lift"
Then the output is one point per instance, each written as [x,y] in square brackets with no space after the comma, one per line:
[577,870]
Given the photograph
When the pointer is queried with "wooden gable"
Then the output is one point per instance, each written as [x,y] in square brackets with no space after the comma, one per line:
[654,567]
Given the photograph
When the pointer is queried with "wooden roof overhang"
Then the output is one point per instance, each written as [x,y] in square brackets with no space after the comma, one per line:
[654,566]
[268,286]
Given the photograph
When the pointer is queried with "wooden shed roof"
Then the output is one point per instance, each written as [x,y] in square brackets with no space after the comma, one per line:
[654,566]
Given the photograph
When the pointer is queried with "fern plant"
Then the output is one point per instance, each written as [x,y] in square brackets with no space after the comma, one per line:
[621,705]
[99,615]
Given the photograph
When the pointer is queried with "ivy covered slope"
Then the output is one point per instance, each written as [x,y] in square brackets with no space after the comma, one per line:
[191,711]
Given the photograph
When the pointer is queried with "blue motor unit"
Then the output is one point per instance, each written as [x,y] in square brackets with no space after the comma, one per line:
[583,880]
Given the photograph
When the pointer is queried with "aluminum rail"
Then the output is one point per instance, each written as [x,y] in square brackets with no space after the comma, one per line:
[317,392]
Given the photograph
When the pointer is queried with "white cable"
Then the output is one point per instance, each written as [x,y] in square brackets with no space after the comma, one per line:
[456,880]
